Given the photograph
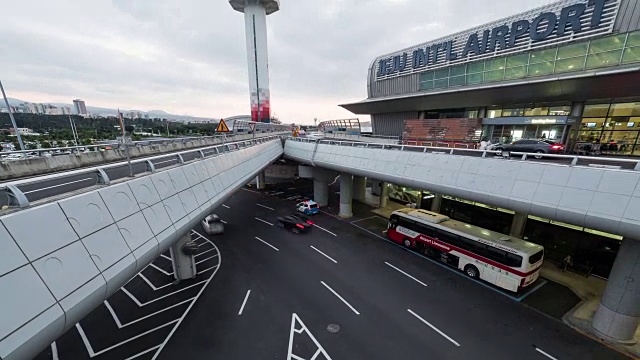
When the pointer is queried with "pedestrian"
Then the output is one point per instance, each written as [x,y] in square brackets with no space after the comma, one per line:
[566,263]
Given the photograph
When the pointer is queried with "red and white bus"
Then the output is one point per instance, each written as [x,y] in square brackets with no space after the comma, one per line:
[502,260]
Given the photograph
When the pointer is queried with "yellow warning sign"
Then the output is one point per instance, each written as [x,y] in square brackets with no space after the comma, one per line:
[222,126]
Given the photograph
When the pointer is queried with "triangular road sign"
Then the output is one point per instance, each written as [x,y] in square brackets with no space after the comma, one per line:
[252,126]
[222,126]
[298,327]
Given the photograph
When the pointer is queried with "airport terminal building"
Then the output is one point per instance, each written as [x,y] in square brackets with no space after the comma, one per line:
[568,71]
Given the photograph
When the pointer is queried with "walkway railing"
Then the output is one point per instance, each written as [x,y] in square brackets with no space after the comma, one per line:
[569,160]
[22,193]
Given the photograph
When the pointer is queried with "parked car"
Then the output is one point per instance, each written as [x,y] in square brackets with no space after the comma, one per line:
[295,224]
[308,207]
[213,225]
[534,146]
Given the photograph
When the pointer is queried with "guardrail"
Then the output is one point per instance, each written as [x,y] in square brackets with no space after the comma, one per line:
[17,198]
[570,160]
[117,145]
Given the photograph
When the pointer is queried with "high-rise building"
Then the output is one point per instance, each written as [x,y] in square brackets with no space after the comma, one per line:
[80,107]
[40,108]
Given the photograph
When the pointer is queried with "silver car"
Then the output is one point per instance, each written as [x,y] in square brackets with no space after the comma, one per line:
[213,225]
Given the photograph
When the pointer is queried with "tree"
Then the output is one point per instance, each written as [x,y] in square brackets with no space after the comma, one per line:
[46,144]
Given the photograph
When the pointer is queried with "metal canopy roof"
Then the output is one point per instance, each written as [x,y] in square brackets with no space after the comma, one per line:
[603,84]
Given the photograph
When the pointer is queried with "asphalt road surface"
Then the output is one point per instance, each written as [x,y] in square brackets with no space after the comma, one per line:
[342,293]
[338,292]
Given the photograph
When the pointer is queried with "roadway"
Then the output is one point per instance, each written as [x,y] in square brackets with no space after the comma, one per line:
[340,290]
[384,302]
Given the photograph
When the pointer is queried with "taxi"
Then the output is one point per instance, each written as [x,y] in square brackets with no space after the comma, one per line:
[308,207]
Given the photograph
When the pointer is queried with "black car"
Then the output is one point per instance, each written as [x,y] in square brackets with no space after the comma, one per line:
[302,218]
[295,224]
[532,146]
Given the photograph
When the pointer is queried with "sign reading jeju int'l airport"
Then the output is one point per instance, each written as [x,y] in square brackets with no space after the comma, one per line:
[560,22]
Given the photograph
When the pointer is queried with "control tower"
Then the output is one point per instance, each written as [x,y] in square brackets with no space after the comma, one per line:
[255,19]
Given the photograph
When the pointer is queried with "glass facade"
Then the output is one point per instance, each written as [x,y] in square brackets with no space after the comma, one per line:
[591,250]
[611,128]
[603,52]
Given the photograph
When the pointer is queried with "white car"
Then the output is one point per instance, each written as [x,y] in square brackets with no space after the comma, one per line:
[212,225]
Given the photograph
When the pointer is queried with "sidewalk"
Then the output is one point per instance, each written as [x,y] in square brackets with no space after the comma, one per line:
[588,289]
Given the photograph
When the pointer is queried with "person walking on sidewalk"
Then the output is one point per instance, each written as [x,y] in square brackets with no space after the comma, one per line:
[566,263]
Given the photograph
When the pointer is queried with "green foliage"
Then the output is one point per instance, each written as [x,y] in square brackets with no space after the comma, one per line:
[57,127]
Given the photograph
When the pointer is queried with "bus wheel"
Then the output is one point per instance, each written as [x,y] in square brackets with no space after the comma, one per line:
[407,243]
[472,271]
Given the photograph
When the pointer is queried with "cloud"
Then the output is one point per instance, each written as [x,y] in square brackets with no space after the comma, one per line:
[189,56]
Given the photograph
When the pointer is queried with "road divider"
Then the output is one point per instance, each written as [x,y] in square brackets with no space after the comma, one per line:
[266,222]
[433,327]
[340,297]
[407,275]
[544,353]
[244,302]
[325,255]
[266,207]
[266,243]
[321,228]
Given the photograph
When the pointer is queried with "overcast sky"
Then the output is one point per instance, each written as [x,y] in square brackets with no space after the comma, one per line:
[189,56]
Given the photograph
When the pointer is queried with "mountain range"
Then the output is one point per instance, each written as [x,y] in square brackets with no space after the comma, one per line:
[113,112]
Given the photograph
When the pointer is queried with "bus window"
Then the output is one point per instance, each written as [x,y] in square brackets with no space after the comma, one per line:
[393,222]
[536,257]
[513,260]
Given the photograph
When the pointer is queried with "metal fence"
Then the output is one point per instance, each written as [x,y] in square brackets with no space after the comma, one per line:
[22,193]
[569,160]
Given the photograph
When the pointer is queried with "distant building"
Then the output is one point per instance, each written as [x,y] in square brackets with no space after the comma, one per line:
[23,131]
[30,108]
[40,109]
[52,110]
[65,110]
[80,107]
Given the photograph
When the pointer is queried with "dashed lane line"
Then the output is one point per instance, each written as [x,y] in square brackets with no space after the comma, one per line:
[407,275]
[325,255]
[244,302]
[433,327]
[266,207]
[266,243]
[321,228]
[544,353]
[340,297]
[266,222]
[225,206]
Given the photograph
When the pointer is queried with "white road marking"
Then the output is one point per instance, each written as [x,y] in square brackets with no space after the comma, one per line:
[321,228]
[166,257]
[409,276]
[208,269]
[273,247]
[161,270]
[92,353]
[140,304]
[54,351]
[55,186]
[370,232]
[370,217]
[340,297]
[545,354]
[142,353]
[325,255]
[209,258]
[120,325]
[266,222]
[223,205]
[151,284]
[164,343]
[433,327]
[244,302]
[204,252]
[222,221]
[266,207]
[303,328]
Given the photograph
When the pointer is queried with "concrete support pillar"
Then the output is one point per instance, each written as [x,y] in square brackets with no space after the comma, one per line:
[618,314]
[182,258]
[346,195]
[384,194]
[436,202]
[517,225]
[482,112]
[261,183]
[321,192]
[359,188]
